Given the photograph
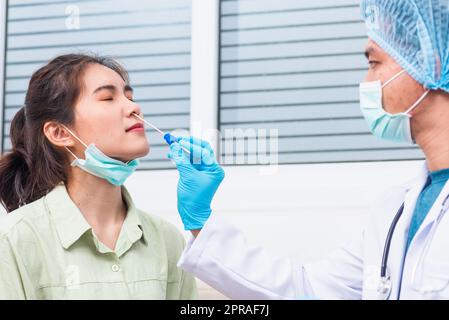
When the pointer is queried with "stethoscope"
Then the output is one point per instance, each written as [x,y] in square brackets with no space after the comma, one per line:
[384,287]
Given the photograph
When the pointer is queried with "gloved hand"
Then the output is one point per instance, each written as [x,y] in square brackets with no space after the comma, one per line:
[199,178]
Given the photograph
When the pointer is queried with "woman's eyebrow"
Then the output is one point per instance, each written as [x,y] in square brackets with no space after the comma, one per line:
[106,87]
[112,88]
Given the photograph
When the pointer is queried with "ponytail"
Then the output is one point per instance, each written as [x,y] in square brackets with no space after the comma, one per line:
[15,166]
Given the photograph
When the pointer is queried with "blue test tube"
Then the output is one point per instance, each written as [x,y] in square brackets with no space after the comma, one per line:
[169,138]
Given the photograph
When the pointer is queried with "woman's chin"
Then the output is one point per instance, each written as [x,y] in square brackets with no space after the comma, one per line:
[144,151]
[134,154]
[141,153]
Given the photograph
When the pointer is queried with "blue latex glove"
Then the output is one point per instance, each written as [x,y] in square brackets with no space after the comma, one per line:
[199,178]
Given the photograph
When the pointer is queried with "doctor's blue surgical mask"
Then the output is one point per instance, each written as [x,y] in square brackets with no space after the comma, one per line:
[102,166]
[391,127]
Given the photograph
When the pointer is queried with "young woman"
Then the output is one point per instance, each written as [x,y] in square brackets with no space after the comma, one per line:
[72,230]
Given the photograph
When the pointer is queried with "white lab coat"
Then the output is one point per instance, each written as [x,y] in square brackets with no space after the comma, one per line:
[221,257]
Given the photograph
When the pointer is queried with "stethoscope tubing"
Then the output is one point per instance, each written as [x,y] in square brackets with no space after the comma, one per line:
[383,266]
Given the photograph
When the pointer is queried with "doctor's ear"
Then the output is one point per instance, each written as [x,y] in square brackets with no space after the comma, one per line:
[57,134]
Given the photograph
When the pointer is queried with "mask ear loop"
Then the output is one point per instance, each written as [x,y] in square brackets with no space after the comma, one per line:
[71,153]
[393,78]
[75,136]
[417,102]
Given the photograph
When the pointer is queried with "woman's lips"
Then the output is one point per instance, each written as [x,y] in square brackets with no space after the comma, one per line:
[138,127]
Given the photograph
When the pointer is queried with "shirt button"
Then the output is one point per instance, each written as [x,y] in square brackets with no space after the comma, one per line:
[115,268]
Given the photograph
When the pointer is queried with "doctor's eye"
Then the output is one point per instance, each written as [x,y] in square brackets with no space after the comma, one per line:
[372,63]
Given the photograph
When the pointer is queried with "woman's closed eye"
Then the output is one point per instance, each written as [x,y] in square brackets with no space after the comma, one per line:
[112,99]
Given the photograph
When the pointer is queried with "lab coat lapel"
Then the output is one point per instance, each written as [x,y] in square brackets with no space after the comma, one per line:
[399,239]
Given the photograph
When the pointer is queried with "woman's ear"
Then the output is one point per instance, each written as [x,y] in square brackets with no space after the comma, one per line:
[57,134]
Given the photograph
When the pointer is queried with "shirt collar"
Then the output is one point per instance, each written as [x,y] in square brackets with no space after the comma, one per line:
[71,224]
[439,176]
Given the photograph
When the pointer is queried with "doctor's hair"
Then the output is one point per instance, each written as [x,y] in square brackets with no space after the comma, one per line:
[34,166]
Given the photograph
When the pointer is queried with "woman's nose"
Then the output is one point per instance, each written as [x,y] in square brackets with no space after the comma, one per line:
[133,107]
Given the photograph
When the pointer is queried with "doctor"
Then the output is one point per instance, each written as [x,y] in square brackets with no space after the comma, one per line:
[403,251]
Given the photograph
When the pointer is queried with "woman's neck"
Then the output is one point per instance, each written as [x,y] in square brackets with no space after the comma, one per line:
[100,202]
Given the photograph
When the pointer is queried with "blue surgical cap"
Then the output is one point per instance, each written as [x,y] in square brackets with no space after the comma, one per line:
[415,33]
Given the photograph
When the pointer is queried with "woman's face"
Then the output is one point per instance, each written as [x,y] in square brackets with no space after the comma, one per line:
[103,116]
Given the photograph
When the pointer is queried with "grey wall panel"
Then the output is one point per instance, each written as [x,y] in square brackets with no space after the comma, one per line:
[245,7]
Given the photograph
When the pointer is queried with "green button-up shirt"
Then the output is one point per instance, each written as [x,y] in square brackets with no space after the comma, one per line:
[49,251]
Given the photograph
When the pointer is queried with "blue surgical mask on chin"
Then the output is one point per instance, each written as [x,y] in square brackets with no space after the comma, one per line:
[391,127]
[98,164]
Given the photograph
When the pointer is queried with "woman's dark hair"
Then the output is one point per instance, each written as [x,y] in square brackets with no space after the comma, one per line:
[35,166]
